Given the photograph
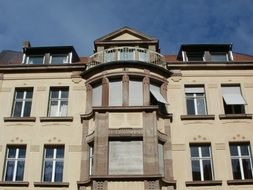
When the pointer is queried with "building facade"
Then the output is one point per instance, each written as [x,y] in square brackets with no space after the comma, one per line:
[126,117]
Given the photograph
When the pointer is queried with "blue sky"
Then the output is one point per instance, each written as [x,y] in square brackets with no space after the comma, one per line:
[80,22]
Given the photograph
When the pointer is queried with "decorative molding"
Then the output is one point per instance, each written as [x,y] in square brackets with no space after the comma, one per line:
[83,183]
[197,117]
[19,119]
[204,183]
[56,119]
[235,116]
[51,184]
[126,132]
[220,146]
[162,136]
[14,183]
[125,177]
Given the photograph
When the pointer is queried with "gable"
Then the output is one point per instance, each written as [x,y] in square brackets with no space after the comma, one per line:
[126,36]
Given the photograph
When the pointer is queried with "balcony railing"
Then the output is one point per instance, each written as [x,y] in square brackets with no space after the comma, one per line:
[126,54]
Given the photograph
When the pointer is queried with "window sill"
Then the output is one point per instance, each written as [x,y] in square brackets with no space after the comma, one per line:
[125,177]
[240,182]
[197,117]
[14,183]
[51,184]
[18,119]
[235,116]
[203,183]
[54,119]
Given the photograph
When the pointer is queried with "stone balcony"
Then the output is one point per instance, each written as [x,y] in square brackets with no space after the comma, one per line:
[126,54]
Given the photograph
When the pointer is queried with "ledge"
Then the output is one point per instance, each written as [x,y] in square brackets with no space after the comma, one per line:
[169,182]
[125,177]
[235,116]
[14,183]
[240,182]
[54,119]
[19,119]
[203,183]
[51,184]
[83,183]
[197,117]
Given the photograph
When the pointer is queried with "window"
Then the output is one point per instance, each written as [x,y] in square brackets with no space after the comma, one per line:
[195,101]
[135,93]
[53,164]
[195,56]
[91,158]
[143,55]
[115,93]
[241,161]
[59,58]
[35,59]
[125,157]
[201,161]
[15,163]
[233,100]
[22,102]
[58,102]
[97,95]
[219,57]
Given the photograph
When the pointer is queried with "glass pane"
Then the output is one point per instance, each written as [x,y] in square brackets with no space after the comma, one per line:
[196,176]
[48,171]
[201,106]
[9,171]
[219,57]
[64,93]
[194,151]
[27,109]
[54,93]
[97,96]
[54,109]
[29,94]
[64,108]
[233,150]
[36,60]
[19,94]
[20,170]
[135,93]
[11,152]
[190,106]
[49,153]
[22,151]
[207,169]
[60,153]
[17,109]
[58,59]
[238,109]
[244,150]
[236,169]
[247,169]
[58,171]
[205,150]
[115,93]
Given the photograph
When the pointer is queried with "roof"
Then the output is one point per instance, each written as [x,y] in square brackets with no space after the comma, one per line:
[10,57]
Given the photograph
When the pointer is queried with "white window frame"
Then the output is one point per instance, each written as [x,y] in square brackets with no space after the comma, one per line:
[91,158]
[195,98]
[60,55]
[53,160]
[16,160]
[28,57]
[59,99]
[201,158]
[23,100]
[240,157]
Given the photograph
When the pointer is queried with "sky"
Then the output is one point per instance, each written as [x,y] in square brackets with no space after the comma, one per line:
[80,22]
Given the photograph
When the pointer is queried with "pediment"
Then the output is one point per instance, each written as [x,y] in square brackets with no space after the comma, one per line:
[125,34]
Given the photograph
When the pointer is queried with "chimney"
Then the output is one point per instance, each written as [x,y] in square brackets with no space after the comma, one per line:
[26,44]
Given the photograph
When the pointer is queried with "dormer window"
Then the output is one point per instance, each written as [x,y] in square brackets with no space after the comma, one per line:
[195,56]
[35,59]
[59,58]
[219,56]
